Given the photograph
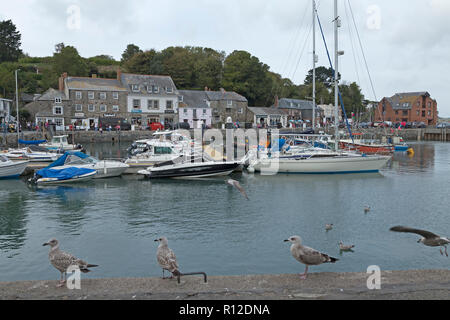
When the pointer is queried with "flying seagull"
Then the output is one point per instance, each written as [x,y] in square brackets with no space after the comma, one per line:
[429,239]
[166,257]
[62,260]
[367,209]
[329,227]
[343,247]
[307,256]
[238,186]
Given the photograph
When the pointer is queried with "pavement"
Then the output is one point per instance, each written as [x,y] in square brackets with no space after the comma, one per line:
[395,285]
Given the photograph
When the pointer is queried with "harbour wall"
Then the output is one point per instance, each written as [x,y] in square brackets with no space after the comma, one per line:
[82,137]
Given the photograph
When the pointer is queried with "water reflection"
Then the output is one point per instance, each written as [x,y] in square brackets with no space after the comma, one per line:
[423,159]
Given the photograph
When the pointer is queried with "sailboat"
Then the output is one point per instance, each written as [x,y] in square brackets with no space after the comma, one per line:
[323,161]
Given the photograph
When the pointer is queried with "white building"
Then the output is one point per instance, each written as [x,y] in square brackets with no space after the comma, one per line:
[5,110]
[194,108]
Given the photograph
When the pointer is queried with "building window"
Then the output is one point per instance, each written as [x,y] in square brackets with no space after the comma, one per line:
[396,112]
[59,122]
[91,95]
[91,108]
[230,102]
[78,95]
[204,111]
[429,113]
[103,108]
[58,100]
[78,107]
[152,104]
[180,98]
[169,104]
[240,110]
[135,87]
[405,112]
[418,112]
[115,108]
[423,113]
[115,95]
[150,89]
[155,89]
[228,110]
[57,110]
[185,111]
[429,104]
[136,103]
[169,90]
[102,95]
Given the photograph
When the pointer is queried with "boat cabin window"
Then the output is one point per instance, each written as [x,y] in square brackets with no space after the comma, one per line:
[3,159]
[162,150]
[73,160]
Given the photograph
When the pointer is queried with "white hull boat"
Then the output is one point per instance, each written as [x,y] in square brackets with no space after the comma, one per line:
[11,169]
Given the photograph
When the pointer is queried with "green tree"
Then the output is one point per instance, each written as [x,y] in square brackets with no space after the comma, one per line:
[68,60]
[323,75]
[246,75]
[129,52]
[144,63]
[9,42]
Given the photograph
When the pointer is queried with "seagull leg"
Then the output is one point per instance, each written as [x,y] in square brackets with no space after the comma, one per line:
[303,276]
[446,253]
[61,281]
[442,252]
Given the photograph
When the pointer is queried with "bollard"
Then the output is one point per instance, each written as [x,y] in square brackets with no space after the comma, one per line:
[205,277]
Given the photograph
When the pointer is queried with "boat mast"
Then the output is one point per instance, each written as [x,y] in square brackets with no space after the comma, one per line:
[17,114]
[336,73]
[314,66]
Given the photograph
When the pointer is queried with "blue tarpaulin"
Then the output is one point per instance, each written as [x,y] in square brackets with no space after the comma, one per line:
[60,162]
[64,174]
[33,142]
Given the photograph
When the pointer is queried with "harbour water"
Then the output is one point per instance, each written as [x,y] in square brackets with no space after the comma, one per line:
[212,228]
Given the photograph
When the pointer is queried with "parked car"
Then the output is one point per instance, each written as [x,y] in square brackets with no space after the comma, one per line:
[443,125]
[420,125]
[409,125]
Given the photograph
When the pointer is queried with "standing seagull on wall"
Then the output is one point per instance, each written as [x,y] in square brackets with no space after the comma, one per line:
[429,239]
[62,260]
[307,256]
[166,258]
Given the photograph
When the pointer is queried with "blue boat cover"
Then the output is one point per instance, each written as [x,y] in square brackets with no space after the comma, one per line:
[64,174]
[32,142]
[61,160]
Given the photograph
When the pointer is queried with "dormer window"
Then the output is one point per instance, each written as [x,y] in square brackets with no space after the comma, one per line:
[229,102]
[169,90]
[135,87]
[150,89]
[78,95]
[58,100]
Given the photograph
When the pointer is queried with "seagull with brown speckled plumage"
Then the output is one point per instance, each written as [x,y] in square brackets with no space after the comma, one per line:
[428,238]
[166,257]
[238,186]
[62,261]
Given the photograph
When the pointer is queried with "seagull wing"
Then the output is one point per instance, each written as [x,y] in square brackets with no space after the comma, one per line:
[167,260]
[238,186]
[423,233]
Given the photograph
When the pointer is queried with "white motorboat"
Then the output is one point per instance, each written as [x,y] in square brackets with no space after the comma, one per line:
[104,168]
[33,154]
[11,169]
[60,142]
[189,169]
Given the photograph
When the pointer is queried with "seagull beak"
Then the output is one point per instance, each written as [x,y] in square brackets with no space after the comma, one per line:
[156,240]
[45,244]
[286,240]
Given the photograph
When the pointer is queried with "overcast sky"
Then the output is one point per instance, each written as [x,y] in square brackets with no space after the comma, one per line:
[407,43]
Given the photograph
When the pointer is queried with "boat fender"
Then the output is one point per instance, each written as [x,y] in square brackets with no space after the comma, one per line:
[364,155]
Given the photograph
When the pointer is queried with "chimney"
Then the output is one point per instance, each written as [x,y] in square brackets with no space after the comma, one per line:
[61,81]
[277,103]
[119,74]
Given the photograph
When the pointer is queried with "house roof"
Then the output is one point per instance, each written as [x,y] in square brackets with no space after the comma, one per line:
[295,104]
[260,111]
[51,94]
[193,99]
[143,81]
[225,95]
[94,84]
[405,100]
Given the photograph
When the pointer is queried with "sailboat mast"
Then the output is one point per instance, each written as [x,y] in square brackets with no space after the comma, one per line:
[314,65]
[336,73]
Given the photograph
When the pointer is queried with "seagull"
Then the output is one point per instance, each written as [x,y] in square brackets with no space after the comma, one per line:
[429,239]
[367,209]
[329,227]
[166,258]
[307,256]
[62,260]
[343,247]
[238,186]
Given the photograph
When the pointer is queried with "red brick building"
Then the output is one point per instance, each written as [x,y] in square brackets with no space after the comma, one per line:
[408,107]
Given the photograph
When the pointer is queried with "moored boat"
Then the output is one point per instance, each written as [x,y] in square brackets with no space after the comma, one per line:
[11,169]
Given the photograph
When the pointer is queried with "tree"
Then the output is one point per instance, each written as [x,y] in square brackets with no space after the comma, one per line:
[144,63]
[246,75]
[129,52]
[323,75]
[68,60]
[59,47]
[9,42]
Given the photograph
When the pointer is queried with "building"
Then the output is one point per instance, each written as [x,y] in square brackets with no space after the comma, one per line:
[194,108]
[5,110]
[150,98]
[227,105]
[297,109]
[268,117]
[52,107]
[408,107]
[328,113]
